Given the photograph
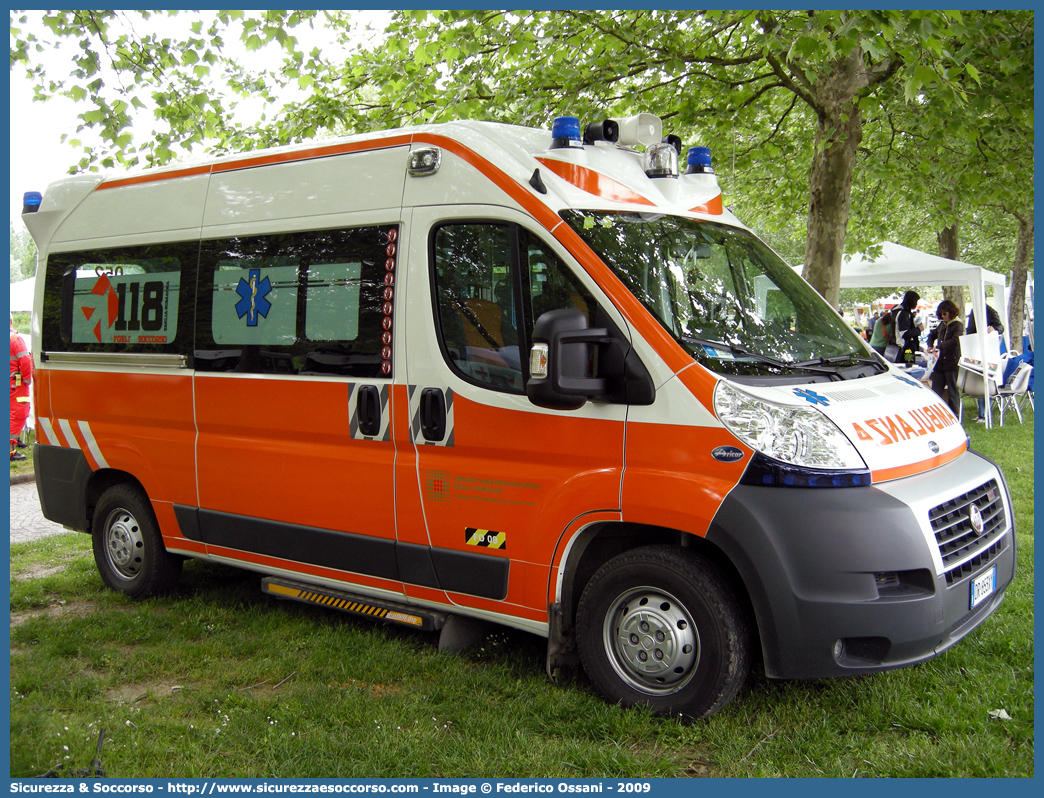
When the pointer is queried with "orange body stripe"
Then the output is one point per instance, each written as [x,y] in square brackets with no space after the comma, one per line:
[153,178]
[63,438]
[313,152]
[885,474]
[593,182]
[41,434]
[81,442]
[523,196]
[184,545]
[713,206]
[260,160]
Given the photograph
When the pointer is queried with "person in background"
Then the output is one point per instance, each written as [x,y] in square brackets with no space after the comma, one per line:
[933,334]
[907,335]
[948,350]
[883,334]
[21,381]
[993,324]
[993,321]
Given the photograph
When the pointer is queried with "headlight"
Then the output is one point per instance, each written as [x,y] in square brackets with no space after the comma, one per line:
[800,436]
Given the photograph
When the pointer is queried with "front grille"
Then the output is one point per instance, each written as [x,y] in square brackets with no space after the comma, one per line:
[962,549]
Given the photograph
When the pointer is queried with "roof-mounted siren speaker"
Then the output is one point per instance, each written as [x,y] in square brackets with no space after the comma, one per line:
[640,129]
[607,130]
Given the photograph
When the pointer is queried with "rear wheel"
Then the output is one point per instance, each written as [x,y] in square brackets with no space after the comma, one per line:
[128,548]
[664,627]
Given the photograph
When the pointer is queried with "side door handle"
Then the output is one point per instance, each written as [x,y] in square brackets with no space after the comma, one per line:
[369,410]
[433,414]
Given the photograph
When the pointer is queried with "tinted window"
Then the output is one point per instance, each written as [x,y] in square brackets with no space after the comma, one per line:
[317,302]
[724,295]
[121,300]
[491,282]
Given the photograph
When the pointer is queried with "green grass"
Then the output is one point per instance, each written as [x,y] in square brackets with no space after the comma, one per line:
[25,466]
[220,680]
[23,321]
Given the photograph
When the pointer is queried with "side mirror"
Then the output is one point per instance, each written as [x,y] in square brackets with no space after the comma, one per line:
[559,361]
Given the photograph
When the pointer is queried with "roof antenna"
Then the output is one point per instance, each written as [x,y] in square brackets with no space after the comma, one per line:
[537,182]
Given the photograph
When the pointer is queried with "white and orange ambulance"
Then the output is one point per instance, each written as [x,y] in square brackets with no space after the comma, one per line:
[475,371]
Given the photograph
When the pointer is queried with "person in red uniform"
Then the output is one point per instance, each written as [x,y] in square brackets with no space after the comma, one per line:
[21,382]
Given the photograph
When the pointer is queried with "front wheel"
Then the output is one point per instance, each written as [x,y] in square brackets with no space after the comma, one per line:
[664,627]
[128,548]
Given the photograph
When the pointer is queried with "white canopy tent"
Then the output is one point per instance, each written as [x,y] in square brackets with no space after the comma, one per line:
[22,295]
[902,266]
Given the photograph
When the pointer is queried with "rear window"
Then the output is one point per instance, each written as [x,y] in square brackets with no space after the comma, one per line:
[121,300]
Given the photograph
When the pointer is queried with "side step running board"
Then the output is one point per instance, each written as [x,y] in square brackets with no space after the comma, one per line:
[387,611]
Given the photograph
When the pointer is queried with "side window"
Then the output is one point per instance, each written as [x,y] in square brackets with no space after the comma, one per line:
[317,302]
[491,282]
[134,300]
[550,285]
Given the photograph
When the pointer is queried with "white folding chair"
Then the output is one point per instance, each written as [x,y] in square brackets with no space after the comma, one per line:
[1015,388]
[970,379]
[970,383]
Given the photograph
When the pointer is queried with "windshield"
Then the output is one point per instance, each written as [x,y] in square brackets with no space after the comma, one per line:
[726,297]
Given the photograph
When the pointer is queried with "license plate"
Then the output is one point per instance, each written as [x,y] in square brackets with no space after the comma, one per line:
[982,586]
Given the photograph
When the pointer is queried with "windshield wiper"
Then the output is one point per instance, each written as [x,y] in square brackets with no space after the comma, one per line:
[769,361]
[852,358]
[736,350]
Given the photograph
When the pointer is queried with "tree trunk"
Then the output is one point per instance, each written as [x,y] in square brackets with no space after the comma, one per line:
[1019,269]
[839,132]
[947,238]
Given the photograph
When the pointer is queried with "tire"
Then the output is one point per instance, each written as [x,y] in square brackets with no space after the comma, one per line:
[664,627]
[128,548]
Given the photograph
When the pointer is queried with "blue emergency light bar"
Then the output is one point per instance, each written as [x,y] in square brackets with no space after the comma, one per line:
[565,132]
[31,201]
[699,161]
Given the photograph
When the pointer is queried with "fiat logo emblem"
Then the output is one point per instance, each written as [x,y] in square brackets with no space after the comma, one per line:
[976,519]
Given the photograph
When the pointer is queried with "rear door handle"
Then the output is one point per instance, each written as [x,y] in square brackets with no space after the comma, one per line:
[369,411]
[433,414]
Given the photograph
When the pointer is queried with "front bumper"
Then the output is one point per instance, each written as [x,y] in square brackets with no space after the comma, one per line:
[886,570]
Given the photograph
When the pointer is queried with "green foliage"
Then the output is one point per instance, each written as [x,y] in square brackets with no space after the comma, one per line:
[928,166]
[23,254]
[24,467]
[123,63]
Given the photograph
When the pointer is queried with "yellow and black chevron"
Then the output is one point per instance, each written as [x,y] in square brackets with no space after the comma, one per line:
[486,538]
[342,603]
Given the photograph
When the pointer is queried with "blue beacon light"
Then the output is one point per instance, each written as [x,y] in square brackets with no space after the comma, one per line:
[31,201]
[699,161]
[565,132]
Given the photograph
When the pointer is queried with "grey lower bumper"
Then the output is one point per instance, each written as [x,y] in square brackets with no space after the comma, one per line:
[866,567]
